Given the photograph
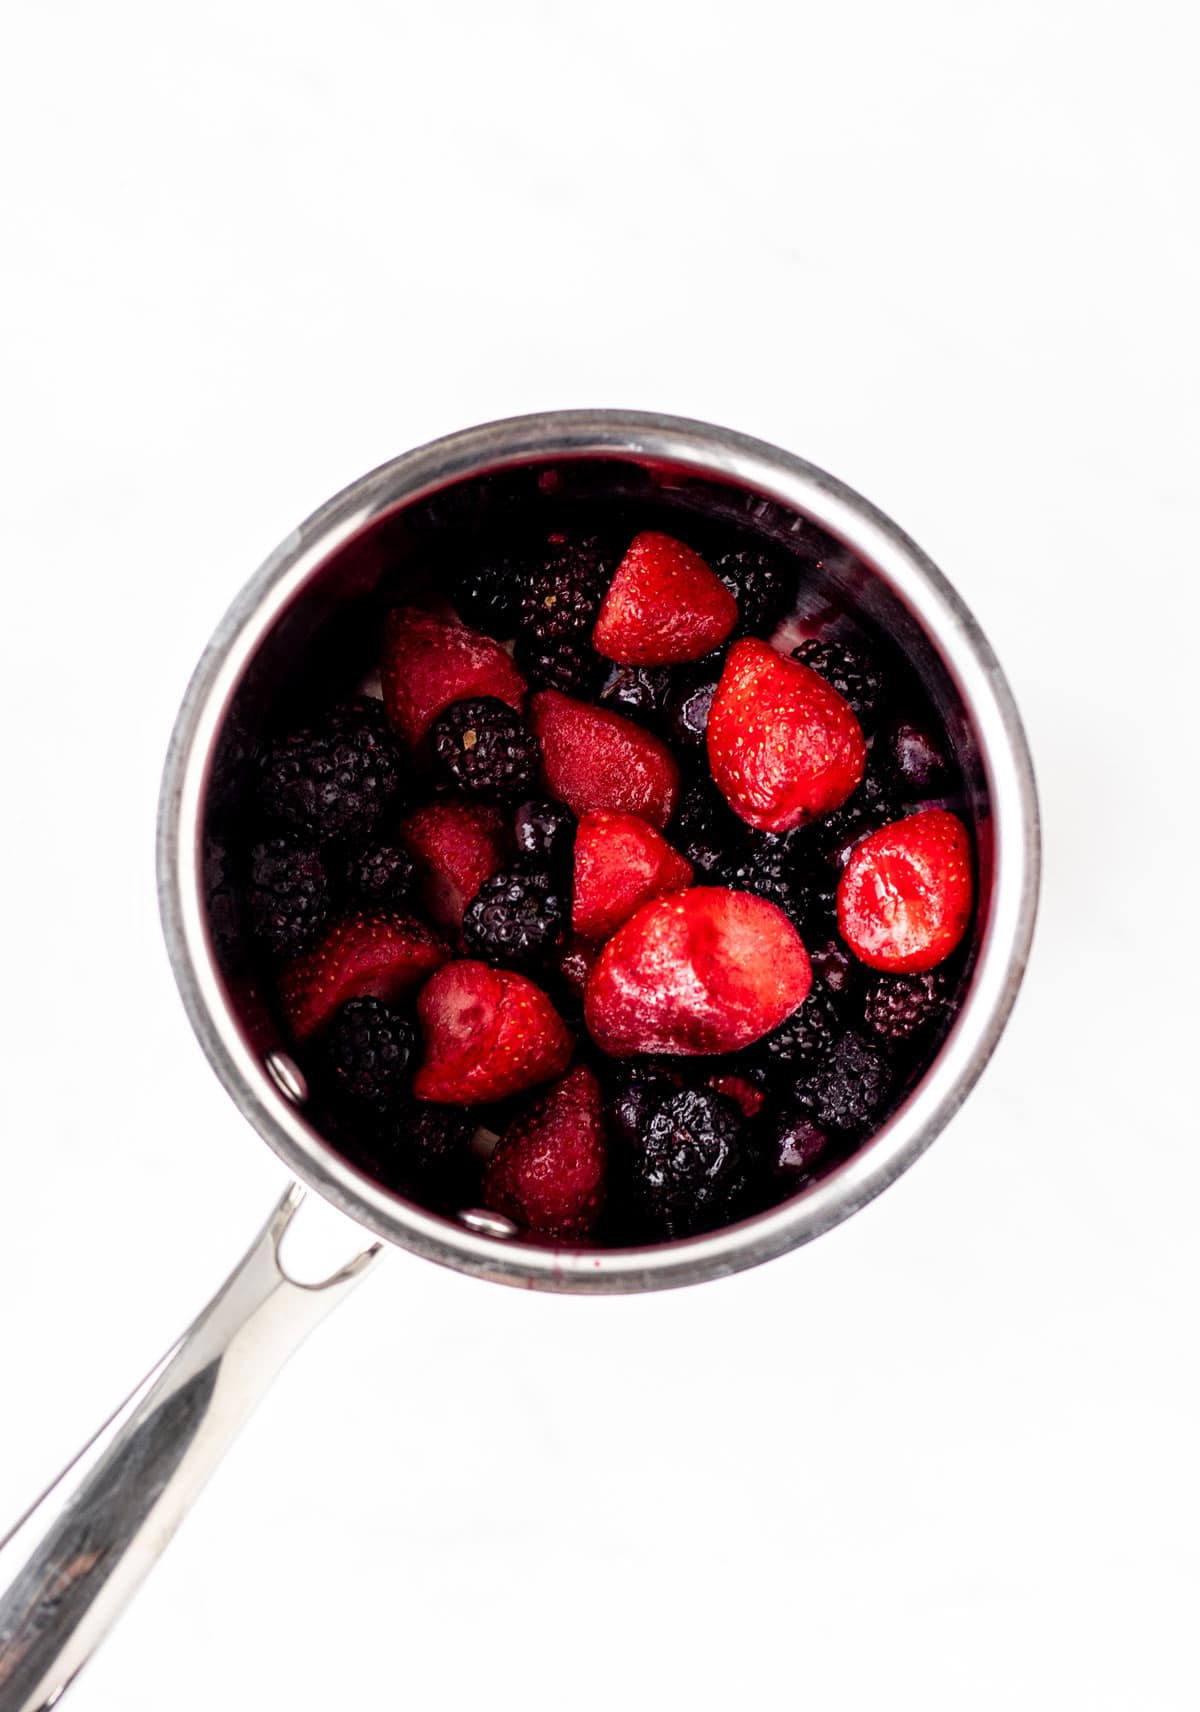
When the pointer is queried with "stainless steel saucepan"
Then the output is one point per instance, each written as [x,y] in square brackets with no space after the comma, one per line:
[70,1565]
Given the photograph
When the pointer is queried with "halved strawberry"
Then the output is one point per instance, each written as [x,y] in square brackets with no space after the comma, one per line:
[377,955]
[621,862]
[905,895]
[595,759]
[547,1172]
[429,662]
[663,605]
[458,846]
[488,1033]
[706,970]
[783,745]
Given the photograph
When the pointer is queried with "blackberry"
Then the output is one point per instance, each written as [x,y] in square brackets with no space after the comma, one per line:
[418,1149]
[766,865]
[379,876]
[569,664]
[484,748]
[514,918]
[916,757]
[545,832]
[486,593]
[561,596]
[760,585]
[689,703]
[334,778]
[368,1053]
[852,674]
[687,1163]
[638,692]
[706,831]
[846,1091]
[899,1007]
[287,897]
[636,1091]
[864,811]
[805,1036]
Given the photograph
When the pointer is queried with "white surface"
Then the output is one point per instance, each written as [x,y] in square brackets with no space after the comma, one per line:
[946,1457]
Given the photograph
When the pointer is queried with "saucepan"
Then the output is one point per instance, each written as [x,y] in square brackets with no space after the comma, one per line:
[72,1563]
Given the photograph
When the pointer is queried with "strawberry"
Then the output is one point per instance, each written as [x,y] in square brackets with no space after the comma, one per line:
[458,846]
[706,970]
[488,1033]
[740,1090]
[621,862]
[379,955]
[430,662]
[547,1172]
[663,605]
[783,745]
[904,898]
[595,759]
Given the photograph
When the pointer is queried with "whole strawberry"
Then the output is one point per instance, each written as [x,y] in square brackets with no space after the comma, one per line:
[488,1033]
[783,745]
[905,895]
[377,954]
[664,605]
[699,971]
[621,862]
[595,759]
[548,1171]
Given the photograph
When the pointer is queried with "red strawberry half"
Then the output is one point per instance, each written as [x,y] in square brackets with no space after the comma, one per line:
[488,1033]
[547,1173]
[429,662]
[904,898]
[783,745]
[706,970]
[663,605]
[595,759]
[621,862]
[458,846]
[378,955]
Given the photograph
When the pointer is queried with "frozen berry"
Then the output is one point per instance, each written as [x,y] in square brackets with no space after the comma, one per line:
[561,595]
[916,756]
[899,1007]
[333,779]
[853,674]
[846,1090]
[705,830]
[686,1162]
[379,876]
[664,605]
[486,593]
[689,703]
[633,1095]
[805,1036]
[288,895]
[483,748]
[548,1170]
[767,866]
[417,1149]
[369,1053]
[789,1148]
[760,585]
[566,663]
[515,918]
[638,692]
[545,832]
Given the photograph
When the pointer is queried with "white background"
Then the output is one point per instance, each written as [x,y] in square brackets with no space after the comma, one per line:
[946,1457]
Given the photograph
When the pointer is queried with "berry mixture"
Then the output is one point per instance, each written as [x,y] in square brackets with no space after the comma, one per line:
[636,903]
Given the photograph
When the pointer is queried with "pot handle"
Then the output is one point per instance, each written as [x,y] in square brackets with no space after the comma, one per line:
[72,1563]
